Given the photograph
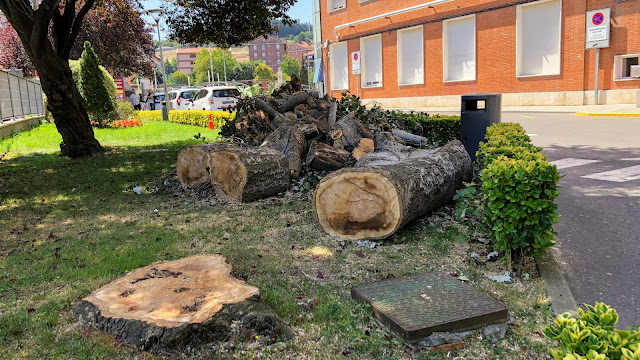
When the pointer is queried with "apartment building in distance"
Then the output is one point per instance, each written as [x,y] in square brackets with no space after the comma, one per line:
[270,51]
[185,58]
[299,49]
[418,53]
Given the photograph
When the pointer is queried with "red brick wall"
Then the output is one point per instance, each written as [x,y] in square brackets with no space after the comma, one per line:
[495,46]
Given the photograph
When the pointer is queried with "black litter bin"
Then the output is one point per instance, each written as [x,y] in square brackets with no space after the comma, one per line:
[479,111]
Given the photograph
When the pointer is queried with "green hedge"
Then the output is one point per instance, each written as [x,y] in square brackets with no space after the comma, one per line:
[188,117]
[520,187]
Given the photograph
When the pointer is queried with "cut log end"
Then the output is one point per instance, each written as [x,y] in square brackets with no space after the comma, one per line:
[229,173]
[358,204]
[193,166]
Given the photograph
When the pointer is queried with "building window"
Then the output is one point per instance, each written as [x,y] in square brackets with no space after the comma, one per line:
[255,55]
[337,4]
[262,47]
[264,62]
[339,66]
[278,46]
[622,66]
[459,48]
[410,56]
[538,33]
[263,55]
[278,54]
[278,61]
[255,47]
[371,52]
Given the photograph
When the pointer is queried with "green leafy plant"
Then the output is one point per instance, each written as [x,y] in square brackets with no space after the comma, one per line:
[592,336]
[189,117]
[467,203]
[100,104]
[519,187]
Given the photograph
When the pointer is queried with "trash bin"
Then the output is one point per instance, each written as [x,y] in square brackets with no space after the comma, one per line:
[479,111]
[165,111]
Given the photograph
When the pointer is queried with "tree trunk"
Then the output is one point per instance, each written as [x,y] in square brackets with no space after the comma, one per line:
[290,141]
[325,157]
[241,173]
[289,103]
[385,191]
[66,105]
[180,305]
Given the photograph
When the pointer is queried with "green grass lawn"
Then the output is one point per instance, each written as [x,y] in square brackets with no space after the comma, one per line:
[69,226]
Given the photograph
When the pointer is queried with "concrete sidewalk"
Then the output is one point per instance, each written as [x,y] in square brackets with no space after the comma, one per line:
[585,110]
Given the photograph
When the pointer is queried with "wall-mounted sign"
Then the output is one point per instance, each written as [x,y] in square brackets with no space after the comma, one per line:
[355,62]
[598,30]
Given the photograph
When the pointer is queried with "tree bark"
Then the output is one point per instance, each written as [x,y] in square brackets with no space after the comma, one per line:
[290,141]
[324,157]
[351,134]
[386,191]
[289,103]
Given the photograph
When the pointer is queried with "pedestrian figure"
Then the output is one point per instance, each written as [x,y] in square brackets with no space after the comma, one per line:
[135,100]
[150,102]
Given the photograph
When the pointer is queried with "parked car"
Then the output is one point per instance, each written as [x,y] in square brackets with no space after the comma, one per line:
[181,99]
[158,98]
[215,98]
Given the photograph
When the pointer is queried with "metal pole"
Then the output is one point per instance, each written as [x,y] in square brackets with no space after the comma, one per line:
[210,65]
[597,75]
[165,110]
[224,66]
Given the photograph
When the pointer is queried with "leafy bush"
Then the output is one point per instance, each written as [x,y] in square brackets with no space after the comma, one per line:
[92,83]
[123,110]
[592,336]
[520,187]
[188,117]
[438,129]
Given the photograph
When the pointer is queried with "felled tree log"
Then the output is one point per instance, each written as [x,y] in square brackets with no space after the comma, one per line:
[241,173]
[289,103]
[308,130]
[332,113]
[180,305]
[194,163]
[380,196]
[290,141]
[351,134]
[248,174]
[409,138]
[275,116]
[325,157]
[365,146]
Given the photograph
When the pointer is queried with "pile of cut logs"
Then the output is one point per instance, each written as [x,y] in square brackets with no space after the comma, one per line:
[384,184]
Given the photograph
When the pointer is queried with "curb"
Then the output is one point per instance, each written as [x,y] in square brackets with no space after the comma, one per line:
[556,286]
[606,114]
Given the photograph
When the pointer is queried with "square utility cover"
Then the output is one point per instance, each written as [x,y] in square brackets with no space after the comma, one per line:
[416,306]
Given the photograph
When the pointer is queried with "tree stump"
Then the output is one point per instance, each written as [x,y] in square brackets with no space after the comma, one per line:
[386,191]
[179,304]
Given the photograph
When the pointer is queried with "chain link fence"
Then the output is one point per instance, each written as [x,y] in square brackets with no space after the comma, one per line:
[19,97]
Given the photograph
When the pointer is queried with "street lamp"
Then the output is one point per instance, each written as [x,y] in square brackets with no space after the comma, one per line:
[156,14]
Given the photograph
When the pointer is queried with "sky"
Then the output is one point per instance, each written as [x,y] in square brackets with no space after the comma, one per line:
[301,10]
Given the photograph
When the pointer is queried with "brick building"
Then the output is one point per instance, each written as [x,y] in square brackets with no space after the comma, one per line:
[416,53]
[185,58]
[270,51]
[299,50]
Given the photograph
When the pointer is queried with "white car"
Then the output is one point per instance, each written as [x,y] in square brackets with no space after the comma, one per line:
[181,99]
[216,98]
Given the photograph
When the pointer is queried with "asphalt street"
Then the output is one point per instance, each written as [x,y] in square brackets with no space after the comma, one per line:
[598,242]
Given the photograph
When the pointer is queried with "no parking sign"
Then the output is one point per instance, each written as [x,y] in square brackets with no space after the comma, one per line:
[598,29]
[355,62]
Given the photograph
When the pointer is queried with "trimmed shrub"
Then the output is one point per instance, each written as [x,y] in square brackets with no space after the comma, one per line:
[591,336]
[123,110]
[92,83]
[520,187]
[188,117]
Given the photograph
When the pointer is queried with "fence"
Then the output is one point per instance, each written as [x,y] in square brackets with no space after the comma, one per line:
[19,97]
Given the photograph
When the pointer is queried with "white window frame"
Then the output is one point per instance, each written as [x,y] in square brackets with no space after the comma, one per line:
[331,8]
[400,53]
[445,48]
[618,68]
[332,65]
[363,63]
[519,9]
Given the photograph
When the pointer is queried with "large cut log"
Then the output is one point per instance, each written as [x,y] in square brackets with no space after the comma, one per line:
[289,103]
[409,138]
[325,157]
[386,191]
[179,306]
[351,134]
[194,163]
[241,173]
[290,141]
[276,117]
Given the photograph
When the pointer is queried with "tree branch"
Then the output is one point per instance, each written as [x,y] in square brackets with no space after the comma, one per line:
[77,24]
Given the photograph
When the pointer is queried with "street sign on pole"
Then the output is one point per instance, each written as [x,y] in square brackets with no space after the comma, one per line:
[279,77]
[598,29]
[355,63]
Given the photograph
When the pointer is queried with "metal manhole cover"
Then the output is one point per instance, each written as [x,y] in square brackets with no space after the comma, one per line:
[416,306]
